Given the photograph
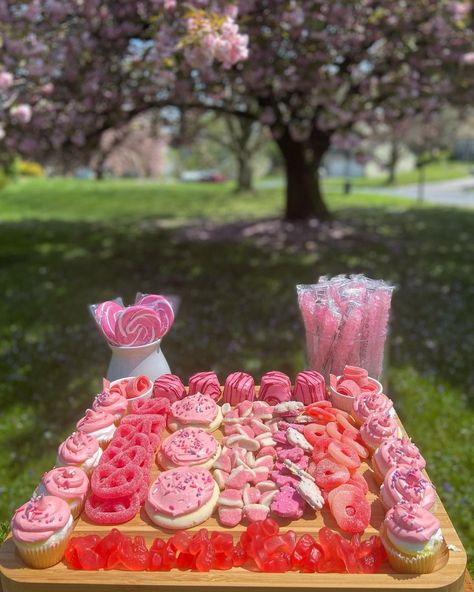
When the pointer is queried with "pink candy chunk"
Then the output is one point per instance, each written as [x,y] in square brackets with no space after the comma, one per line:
[275,387]
[229,517]
[239,387]
[309,387]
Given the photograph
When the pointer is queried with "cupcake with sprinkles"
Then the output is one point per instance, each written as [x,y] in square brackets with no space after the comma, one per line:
[79,450]
[406,484]
[68,483]
[111,402]
[395,452]
[99,424]
[41,529]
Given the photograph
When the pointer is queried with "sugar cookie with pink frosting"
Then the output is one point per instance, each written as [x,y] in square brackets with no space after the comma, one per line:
[196,411]
[206,383]
[377,428]
[189,447]
[68,483]
[41,529]
[412,538]
[98,424]
[406,484]
[397,451]
[182,498]
[79,450]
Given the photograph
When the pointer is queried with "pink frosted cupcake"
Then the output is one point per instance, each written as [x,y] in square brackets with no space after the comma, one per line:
[68,483]
[41,529]
[79,450]
[412,538]
[368,403]
[395,452]
[405,484]
[98,424]
[111,402]
[377,428]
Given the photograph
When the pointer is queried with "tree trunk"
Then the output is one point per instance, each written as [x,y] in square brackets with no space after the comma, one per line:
[393,159]
[304,198]
[244,174]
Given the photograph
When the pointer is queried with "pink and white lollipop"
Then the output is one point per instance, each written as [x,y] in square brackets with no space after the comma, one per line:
[162,308]
[106,318]
[137,325]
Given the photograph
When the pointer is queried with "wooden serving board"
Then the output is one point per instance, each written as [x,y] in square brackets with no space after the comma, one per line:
[448,577]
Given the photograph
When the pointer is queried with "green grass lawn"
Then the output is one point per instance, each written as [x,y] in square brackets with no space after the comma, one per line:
[67,243]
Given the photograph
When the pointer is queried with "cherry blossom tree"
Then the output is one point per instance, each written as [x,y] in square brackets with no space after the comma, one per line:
[309,69]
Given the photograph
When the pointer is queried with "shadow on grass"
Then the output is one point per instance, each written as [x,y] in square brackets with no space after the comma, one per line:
[238,308]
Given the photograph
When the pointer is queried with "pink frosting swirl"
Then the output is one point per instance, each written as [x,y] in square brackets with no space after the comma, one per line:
[40,518]
[66,482]
[189,446]
[410,523]
[195,409]
[78,448]
[403,483]
[398,451]
[181,491]
[275,387]
[110,402]
[366,404]
[94,421]
[206,383]
[377,428]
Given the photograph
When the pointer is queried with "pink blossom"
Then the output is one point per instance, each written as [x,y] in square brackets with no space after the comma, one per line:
[6,80]
[468,58]
[21,113]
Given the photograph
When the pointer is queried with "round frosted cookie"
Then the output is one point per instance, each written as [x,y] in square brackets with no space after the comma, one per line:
[182,498]
[196,411]
[189,447]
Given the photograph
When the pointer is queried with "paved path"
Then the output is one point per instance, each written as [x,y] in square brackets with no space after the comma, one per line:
[457,192]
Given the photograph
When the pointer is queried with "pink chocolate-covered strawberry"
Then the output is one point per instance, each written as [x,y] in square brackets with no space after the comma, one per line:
[239,387]
[309,387]
[206,383]
[275,387]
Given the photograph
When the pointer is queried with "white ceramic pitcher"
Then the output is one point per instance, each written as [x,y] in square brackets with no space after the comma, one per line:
[141,359]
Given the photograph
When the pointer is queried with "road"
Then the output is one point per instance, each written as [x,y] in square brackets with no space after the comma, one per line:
[457,192]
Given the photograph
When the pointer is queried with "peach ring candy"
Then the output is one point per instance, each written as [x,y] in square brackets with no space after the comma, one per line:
[111,511]
[110,482]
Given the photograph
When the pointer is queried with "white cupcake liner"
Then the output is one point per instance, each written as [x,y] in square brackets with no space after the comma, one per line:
[41,556]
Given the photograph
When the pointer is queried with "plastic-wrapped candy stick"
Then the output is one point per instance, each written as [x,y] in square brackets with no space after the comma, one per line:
[348,339]
[378,328]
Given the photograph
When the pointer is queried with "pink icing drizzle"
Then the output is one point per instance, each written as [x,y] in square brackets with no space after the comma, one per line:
[366,404]
[40,518]
[66,482]
[206,383]
[407,484]
[189,446]
[411,523]
[78,448]
[398,451]
[275,387]
[95,420]
[195,409]
[181,491]
[110,402]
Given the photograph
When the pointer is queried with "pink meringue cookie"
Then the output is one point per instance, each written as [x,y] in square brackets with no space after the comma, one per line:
[275,387]
[80,450]
[111,402]
[393,452]
[366,404]
[309,387]
[170,387]
[239,387]
[206,383]
[410,527]
[405,484]
[99,424]
[377,428]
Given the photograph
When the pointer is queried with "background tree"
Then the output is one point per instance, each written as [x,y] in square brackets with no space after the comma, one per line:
[315,68]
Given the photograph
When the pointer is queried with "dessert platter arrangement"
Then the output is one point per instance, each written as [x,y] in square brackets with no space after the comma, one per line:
[281,484]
